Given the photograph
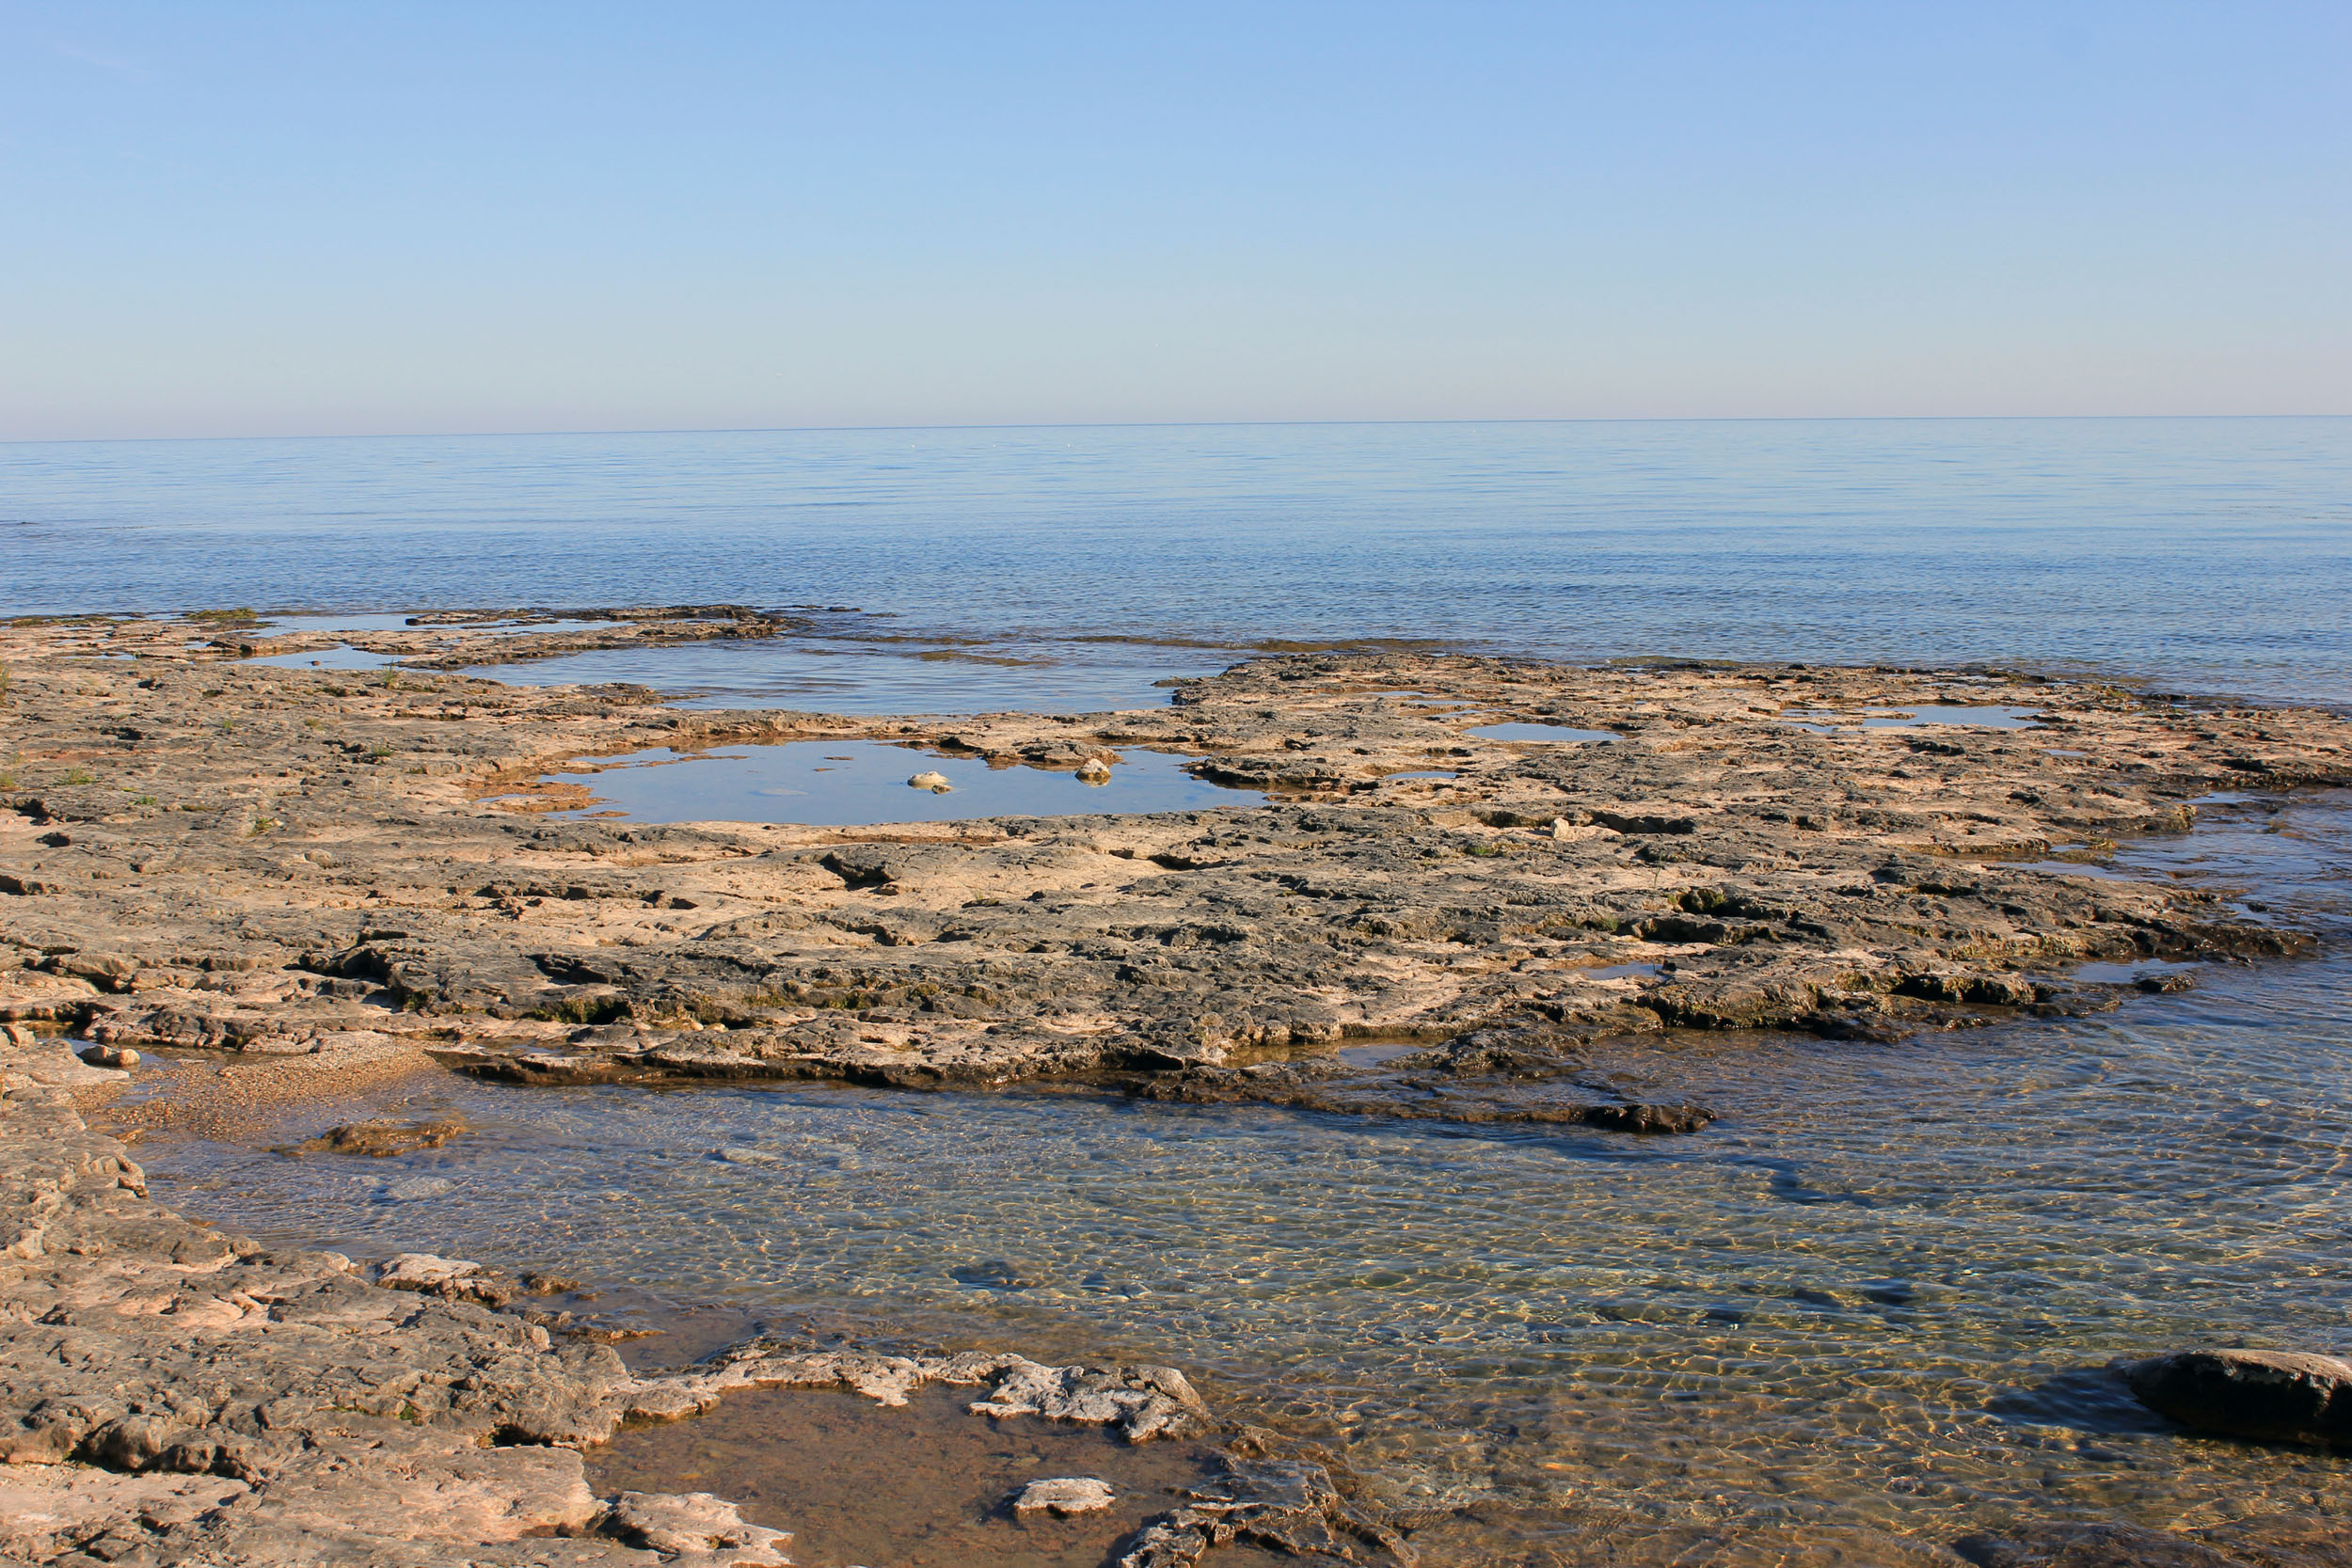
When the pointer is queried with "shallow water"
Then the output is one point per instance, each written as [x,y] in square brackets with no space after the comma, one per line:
[2209,554]
[821,676]
[862,782]
[923,1487]
[1553,734]
[1966,718]
[1865,1310]
[327,658]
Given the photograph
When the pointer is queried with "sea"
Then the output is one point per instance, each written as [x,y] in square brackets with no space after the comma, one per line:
[1871,1310]
[2211,555]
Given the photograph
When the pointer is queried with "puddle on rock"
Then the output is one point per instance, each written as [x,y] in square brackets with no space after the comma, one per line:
[2129,973]
[1987,717]
[862,782]
[2071,869]
[1373,1054]
[928,1485]
[403,621]
[823,675]
[341,657]
[1548,733]
[333,624]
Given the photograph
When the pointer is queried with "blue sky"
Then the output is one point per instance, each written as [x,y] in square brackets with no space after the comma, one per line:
[237,218]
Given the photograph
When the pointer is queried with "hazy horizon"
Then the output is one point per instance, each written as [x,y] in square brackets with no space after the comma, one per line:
[1139,424]
[264,221]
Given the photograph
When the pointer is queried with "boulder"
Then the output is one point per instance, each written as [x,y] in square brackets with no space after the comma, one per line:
[2270,1396]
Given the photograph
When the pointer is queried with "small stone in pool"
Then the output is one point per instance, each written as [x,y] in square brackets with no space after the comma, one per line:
[1065,1496]
[995,1274]
[936,783]
[419,1187]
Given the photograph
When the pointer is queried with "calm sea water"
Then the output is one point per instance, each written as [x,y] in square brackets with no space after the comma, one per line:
[2212,554]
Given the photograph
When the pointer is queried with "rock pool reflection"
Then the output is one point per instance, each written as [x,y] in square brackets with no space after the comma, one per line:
[857,782]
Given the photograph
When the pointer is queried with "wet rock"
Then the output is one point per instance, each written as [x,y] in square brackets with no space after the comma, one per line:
[1139,1402]
[1143,1402]
[422,1271]
[451,1278]
[1290,1507]
[379,1138]
[1681,1116]
[2267,1395]
[1064,1497]
[694,1528]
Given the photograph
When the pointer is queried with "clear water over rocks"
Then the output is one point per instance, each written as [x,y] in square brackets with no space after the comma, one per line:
[1876,1297]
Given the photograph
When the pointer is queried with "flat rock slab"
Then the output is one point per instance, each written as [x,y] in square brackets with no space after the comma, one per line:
[197,853]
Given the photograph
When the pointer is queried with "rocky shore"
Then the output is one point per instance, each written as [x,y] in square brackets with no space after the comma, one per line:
[331,878]
[202,853]
[174,1393]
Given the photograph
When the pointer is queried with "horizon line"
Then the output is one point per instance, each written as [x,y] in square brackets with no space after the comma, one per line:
[1145,425]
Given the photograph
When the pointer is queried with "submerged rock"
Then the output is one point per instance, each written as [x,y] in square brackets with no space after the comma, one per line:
[2259,1541]
[2269,1396]
[380,1139]
[2067,1545]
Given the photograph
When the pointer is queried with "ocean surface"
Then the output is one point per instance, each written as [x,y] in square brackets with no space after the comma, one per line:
[2207,554]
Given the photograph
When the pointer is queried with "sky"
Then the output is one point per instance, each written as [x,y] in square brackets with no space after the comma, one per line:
[240,218]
